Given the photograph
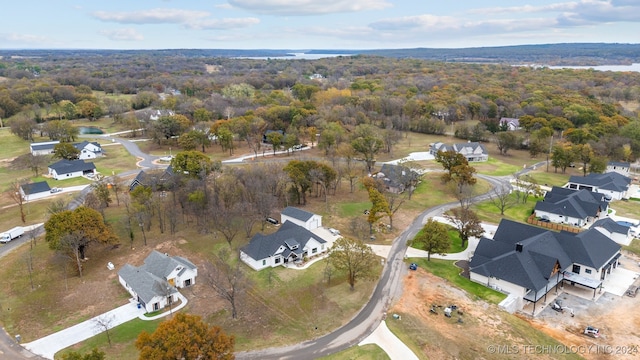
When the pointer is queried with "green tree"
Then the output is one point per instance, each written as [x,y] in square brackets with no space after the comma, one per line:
[84,223]
[562,156]
[192,164]
[368,142]
[65,151]
[449,160]
[298,172]
[355,258]
[583,153]
[598,165]
[275,139]
[95,354]
[506,141]
[185,337]
[467,223]
[433,238]
[89,109]
[379,204]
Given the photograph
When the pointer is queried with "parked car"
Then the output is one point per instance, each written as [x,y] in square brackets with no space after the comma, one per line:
[413,266]
[334,231]
[592,331]
[55,190]
[272,221]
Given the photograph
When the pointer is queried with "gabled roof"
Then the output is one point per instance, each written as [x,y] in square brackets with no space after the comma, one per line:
[264,246]
[34,188]
[611,226]
[48,145]
[468,148]
[297,214]
[515,122]
[162,265]
[619,163]
[68,166]
[572,203]
[526,256]
[397,175]
[82,145]
[145,284]
[607,181]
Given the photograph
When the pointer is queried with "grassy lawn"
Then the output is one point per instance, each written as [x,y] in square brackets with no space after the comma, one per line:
[488,212]
[122,346]
[630,208]
[634,247]
[495,167]
[364,352]
[447,270]
[455,243]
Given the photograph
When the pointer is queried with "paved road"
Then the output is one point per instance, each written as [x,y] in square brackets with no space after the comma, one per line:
[389,288]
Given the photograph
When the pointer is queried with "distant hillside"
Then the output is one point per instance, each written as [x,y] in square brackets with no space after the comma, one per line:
[549,54]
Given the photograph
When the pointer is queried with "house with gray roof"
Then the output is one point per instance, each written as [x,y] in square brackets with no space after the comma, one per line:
[622,168]
[34,190]
[307,220]
[397,178]
[88,150]
[528,262]
[574,207]
[612,184]
[622,234]
[290,244]
[511,124]
[154,284]
[156,179]
[43,148]
[473,151]
[68,169]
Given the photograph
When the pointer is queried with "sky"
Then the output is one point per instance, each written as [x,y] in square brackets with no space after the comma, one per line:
[312,24]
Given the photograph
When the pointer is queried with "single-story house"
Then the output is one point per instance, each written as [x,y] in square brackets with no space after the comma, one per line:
[43,148]
[68,169]
[307,220]
[510,124]
[397,178]
[622,168]
[155,179]
[573,207]
[619,233]
[156,114]
[473,151]
[34,190]
[88,150]
[154,284]
[291,243]
[612,184]
[528,262]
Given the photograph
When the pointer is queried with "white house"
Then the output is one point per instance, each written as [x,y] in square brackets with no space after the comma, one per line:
[43,148]
[511,124]
[472,151]
[622,168]
[68,169]
[613,230]
[88,150]
[611,184]
[35,190]
[573,207]
[290,244]
[528,262]
[300,217]
[154,284]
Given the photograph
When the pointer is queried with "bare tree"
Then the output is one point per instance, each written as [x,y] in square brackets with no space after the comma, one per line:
[104,323]
[500,197]
[16,196]
[394,201]
[56,206]
[28,259]
[227,279]
[70,246]
[466,222]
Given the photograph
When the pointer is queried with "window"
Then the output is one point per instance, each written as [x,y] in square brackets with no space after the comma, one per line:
[277,261]
[588,271]
[156,306]
[264,262]
[576,269]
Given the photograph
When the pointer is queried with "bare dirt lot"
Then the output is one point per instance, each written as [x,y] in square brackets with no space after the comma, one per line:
[482,328]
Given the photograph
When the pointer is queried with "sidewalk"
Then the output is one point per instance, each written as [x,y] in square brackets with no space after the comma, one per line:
[49,345]
[385,339]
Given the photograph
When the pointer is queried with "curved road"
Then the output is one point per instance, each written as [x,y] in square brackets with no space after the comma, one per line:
[369,317]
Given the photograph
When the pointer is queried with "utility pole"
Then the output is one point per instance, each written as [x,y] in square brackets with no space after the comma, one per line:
[550,145]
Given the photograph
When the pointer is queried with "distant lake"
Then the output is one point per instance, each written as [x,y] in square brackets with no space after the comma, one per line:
[623,68]
[296,56]
[84,130]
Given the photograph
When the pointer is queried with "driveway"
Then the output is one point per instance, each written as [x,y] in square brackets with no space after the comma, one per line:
[385,339]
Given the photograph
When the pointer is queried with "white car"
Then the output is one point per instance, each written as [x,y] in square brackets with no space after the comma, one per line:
[334,231]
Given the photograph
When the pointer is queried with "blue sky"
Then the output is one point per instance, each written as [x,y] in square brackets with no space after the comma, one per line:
[313,24]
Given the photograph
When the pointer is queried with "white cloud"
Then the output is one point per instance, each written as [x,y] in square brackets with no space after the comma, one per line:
[24,38]
[308,7]
[223,24]
[127,34]
[567,6]
[152,16]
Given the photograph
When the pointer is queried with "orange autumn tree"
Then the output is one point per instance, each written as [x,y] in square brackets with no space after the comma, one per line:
[185,337]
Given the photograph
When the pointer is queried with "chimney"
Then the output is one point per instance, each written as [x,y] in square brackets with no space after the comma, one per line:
[518,247]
